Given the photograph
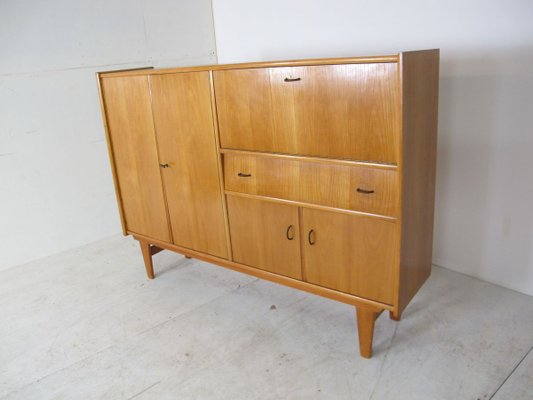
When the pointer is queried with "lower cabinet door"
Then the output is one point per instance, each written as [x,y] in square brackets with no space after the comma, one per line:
[350,253]
[265,235]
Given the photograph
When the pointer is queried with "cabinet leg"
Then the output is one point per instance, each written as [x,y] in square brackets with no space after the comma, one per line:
[188,257]
[147,256]
[366,318]
[394,317]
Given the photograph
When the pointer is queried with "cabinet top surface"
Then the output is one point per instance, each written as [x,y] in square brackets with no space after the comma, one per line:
[263,64]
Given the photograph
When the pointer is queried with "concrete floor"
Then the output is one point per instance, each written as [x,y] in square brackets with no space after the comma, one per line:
[87,324]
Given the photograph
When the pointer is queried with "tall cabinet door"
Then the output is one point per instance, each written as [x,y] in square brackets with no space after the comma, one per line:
[350,253]
[265,235]
[187,150]
[133,147]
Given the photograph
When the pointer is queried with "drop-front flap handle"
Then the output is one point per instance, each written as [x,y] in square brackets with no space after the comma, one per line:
[243,175]
[365,191]
[292,79]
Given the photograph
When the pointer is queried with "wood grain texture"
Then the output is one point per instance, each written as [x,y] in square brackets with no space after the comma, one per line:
[265,235]
[262,64]
[323,183]
[186,142]
[366,319]
[220,169]
[112,161]
[420,77]
[132,138]
[338,111]
[146,250]
[262,274]
[352,254]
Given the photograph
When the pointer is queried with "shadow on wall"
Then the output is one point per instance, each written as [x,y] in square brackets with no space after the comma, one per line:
[484,214]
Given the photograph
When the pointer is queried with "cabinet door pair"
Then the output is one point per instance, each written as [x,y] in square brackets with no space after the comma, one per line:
[350,253]
[162,136]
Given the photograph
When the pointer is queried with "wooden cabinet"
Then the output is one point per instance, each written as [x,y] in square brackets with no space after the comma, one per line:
[134,152]
[337,111]
[187,152]
[265,235]
[351,253]
[316,174]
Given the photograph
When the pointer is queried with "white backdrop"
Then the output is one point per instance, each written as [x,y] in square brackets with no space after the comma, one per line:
[56,190]
[484,211]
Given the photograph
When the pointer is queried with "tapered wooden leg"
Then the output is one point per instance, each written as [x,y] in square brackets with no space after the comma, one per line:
[147,256]
[366,318]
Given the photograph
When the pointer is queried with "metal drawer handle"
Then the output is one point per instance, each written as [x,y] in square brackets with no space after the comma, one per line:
[289,230]
[292,79]
[365,191]
[310,237]
[164,165]
[243,175]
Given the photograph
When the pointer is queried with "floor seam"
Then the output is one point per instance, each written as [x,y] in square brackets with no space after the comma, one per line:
[384,362]
[197,307]
[512,372]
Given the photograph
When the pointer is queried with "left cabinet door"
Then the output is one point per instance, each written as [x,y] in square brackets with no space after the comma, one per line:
[133,146]
[187,148]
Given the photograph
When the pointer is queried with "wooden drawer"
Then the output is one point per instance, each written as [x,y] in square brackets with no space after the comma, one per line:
[347,111]
[350,186]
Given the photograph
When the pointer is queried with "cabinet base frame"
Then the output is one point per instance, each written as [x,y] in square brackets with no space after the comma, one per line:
[367,311]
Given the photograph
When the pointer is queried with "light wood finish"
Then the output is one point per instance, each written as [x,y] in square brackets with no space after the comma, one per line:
[358,188]
[308,144]
[340,111]
[111,156]
[146,250]
[320,160]
[129,120]
[420,77]
[185,137]
[269,276]
[265,235]
[309,205]
[219,165]
[366,319]
[263,64]
[352,254]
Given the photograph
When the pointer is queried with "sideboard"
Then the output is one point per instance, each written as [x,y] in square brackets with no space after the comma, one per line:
[316,174]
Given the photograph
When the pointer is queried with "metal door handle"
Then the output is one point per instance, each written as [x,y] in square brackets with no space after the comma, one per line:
[164,165]
[292,79]
[289,230]
[365,191]
[310,234]
[243,175]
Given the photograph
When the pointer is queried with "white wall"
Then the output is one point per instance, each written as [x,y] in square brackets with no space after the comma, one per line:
[484,211]
[56,190]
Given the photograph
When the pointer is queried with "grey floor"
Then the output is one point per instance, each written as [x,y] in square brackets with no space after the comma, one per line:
[87,324]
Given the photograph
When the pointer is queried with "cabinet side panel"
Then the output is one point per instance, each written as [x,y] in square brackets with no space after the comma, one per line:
[420,86]
[131,132]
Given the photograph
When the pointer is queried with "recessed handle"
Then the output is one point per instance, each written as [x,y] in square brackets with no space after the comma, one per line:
[164,165]
[311,237]
[292,79]
[290,232]
[243,175]
[365,191]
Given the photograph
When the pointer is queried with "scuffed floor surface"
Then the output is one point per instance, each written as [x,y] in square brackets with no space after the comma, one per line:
[87,324]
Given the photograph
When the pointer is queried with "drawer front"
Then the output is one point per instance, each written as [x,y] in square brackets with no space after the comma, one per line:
[369,189]
[346,111]
[351,253]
